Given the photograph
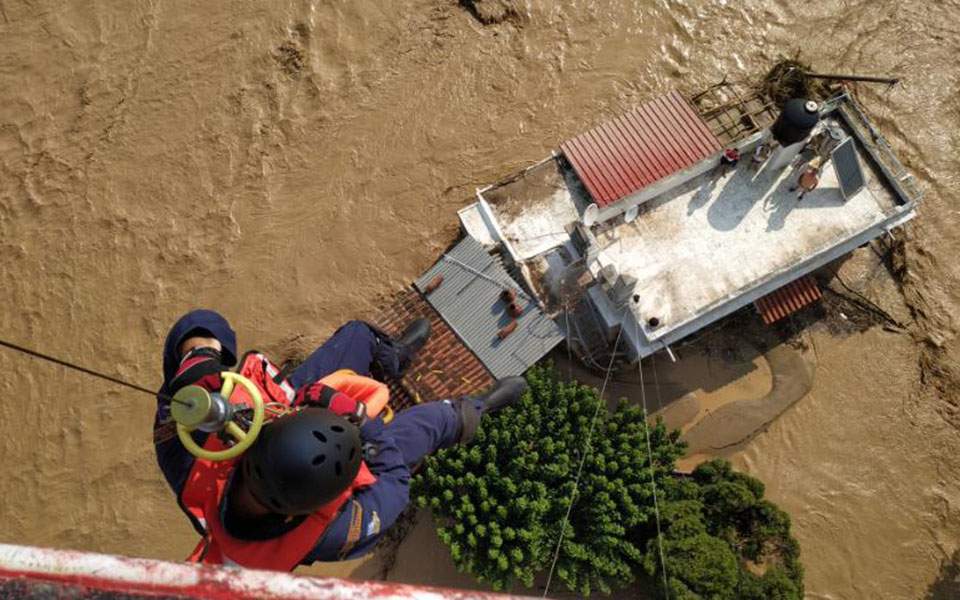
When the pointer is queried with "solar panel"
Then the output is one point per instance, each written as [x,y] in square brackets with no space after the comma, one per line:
[848,169]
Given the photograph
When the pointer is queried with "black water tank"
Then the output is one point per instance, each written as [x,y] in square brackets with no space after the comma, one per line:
[796,121]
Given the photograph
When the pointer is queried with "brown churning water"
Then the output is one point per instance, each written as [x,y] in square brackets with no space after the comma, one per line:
[288,163]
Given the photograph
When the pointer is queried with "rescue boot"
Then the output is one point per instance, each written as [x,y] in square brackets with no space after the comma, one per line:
[413,338]
[504,392]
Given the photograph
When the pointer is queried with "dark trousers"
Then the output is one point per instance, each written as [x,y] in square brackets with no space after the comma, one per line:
[418,431]
[358,346]
[413,434]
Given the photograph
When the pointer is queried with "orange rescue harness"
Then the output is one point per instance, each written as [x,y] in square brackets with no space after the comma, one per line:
[203,492]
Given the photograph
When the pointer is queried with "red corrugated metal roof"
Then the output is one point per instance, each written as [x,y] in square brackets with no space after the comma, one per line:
[788,299]
[622,156]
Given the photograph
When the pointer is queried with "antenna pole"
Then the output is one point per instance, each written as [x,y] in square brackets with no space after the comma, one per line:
[866,78]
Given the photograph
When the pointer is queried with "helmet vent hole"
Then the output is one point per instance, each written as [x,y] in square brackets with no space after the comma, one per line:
[274,503]
[318,459]
[338,468]
[336,428]
[258,471]
[319,436]
[353,452]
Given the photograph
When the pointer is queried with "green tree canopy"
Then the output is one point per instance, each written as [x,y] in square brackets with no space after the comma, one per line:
[729,507]
[500,503]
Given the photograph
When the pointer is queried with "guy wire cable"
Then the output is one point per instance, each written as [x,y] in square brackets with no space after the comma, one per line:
[587,447]
[653,472]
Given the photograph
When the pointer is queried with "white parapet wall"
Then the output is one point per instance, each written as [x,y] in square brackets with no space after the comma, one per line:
[745,146]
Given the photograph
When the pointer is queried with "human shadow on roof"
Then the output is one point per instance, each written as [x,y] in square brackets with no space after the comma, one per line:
[704,194]
[739,193]
[785,203]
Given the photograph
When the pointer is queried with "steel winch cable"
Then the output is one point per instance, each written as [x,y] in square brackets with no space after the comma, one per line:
[653,474]
[587,447]
[85,370]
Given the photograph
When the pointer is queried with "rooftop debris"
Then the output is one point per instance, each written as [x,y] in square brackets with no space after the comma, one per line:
[788,79]
[470,300]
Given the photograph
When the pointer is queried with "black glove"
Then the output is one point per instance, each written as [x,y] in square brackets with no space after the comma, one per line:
[324,396]
[201,366]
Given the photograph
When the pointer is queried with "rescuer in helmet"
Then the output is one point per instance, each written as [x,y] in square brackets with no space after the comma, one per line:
[323,481]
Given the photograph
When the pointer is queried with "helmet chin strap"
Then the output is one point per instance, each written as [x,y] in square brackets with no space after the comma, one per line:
[242,500]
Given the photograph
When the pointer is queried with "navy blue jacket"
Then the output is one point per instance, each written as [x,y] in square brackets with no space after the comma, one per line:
[355,346]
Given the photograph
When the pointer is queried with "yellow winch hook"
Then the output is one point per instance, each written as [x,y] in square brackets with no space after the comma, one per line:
[197,407]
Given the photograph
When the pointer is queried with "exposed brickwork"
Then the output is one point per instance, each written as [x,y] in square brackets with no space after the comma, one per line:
[443,369]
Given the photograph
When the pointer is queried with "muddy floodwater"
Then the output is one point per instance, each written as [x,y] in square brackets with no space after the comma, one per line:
[291,163]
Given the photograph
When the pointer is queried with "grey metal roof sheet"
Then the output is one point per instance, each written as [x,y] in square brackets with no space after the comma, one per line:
[469,301]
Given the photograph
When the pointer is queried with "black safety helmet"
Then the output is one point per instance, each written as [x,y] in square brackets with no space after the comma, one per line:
[302,460]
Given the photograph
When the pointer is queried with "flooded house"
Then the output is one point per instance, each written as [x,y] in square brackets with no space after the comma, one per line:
[651,226]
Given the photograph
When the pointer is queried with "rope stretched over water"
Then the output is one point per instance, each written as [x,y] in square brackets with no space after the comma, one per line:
[86,371]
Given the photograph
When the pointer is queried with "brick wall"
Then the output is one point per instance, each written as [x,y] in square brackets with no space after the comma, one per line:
[443,369]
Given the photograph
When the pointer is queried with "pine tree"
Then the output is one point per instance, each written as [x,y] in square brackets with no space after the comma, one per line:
[501,501]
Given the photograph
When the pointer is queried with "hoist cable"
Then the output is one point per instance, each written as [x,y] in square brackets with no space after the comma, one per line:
[85,370]
[583,459]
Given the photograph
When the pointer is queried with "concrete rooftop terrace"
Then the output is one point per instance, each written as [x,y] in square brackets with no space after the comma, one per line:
[726,232]
[701,249]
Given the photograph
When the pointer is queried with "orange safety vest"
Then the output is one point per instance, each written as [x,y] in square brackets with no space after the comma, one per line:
[203,492]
